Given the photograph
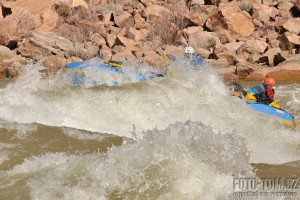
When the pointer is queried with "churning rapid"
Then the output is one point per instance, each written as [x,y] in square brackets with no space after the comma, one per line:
[170,138]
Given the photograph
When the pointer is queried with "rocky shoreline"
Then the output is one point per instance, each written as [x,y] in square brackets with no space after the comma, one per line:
[243,40]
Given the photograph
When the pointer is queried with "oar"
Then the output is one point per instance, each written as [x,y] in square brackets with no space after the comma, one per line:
[168,65]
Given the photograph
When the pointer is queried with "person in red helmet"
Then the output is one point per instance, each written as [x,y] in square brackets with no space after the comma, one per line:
[263,93]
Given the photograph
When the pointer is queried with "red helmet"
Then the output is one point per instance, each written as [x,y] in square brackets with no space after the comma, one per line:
[269,81]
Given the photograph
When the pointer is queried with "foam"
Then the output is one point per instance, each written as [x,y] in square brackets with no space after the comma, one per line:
[80,135]
[4,151]
[195,95]
[184,161]
[3,157]
[41,163]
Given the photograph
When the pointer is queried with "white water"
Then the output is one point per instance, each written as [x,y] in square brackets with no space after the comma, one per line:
[185,161]
[177,160]
[290,97]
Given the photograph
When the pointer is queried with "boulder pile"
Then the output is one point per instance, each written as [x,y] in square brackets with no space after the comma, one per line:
[243,39]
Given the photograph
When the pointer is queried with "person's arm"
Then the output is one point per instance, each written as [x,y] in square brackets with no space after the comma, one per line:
[270,93]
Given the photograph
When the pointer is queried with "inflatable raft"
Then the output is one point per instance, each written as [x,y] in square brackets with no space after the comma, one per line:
[112,73]
[284,116]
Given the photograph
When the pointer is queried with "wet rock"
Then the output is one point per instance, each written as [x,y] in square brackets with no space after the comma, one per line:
[51,64]
[8,57]
[3,72]
[14,71]
[6,53]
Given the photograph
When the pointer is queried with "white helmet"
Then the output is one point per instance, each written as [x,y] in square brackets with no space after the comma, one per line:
[189,50]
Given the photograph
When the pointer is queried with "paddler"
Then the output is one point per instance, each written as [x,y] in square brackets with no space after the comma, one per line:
[263,93]
[189,57]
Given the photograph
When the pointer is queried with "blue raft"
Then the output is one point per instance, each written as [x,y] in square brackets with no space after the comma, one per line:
[283,115]
[238,91]
[111,73]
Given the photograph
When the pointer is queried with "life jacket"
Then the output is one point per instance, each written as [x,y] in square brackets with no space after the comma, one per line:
[260,94]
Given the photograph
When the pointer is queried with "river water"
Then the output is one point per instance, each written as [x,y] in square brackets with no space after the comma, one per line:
[174,138]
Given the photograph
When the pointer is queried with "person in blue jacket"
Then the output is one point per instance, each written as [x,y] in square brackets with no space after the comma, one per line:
[189,57]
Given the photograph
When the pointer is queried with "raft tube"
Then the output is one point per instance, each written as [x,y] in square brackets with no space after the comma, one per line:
[283,115]
[78,72]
